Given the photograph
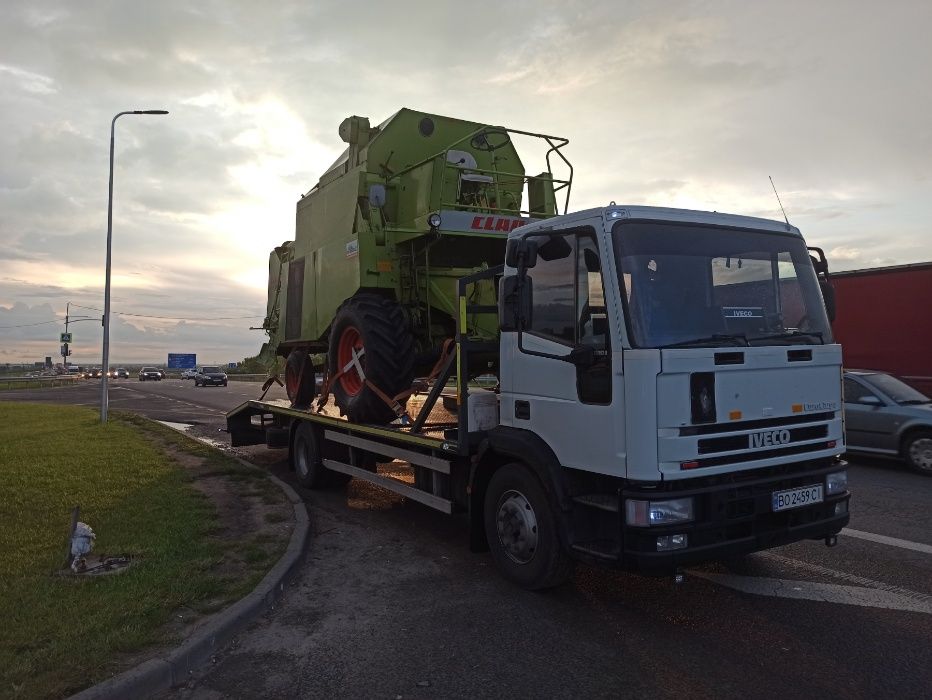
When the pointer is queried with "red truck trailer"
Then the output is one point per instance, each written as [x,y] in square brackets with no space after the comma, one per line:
[884,320]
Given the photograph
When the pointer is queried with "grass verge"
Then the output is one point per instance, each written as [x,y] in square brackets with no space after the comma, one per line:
[202,529]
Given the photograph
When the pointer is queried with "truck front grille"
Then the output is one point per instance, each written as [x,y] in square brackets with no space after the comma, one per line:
[761,454]
[755,424]
[733,443]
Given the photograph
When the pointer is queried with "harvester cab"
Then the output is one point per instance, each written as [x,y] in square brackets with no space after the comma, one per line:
[367,292]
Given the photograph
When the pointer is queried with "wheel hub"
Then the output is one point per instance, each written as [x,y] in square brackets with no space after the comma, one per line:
[920,452]
[516,524]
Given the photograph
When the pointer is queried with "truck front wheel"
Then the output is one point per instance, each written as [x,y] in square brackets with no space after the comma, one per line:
[370,345]
[521,529]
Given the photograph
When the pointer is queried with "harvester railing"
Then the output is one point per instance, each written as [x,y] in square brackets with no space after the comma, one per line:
[481,135]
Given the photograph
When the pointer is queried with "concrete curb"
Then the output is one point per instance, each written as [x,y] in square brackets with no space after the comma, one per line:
[175,668]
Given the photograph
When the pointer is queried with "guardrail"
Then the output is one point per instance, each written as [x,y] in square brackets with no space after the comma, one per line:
[247,377]
[32,382]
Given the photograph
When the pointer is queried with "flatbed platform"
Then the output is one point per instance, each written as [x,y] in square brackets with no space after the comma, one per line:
[248,422]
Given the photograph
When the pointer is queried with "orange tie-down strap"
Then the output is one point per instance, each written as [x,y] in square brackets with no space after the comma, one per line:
[393,402]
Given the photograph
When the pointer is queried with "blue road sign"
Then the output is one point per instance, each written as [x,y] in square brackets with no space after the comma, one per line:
[177,360]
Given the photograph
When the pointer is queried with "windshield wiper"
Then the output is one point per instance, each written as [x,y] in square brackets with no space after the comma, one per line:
[790,335]
[717,338]
[914,402]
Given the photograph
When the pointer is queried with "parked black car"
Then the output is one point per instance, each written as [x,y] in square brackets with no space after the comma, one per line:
[886,416]
[149,374]
[210,376]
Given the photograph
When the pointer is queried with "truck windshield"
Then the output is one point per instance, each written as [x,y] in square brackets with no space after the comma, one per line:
[695,285]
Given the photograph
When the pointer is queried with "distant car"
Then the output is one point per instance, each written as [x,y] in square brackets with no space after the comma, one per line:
[210,376]
[189,373]
[94,373]
[120,373]
[147,374]
[886,416]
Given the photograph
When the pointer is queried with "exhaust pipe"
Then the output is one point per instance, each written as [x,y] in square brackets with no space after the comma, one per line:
[831,540]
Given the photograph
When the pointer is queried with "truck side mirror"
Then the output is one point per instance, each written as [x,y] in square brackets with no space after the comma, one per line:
[514,302]
[516,248]
[819,261]
[828,296]
[581,356]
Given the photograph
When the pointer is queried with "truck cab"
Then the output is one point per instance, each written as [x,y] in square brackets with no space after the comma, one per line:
[680,367]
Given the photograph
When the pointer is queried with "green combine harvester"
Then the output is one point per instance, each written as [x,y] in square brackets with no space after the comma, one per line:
[366,292]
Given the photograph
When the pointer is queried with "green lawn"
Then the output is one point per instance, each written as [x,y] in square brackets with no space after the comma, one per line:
[60,634]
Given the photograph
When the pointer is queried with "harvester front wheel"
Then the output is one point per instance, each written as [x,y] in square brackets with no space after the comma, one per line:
[370,344]
[299,379]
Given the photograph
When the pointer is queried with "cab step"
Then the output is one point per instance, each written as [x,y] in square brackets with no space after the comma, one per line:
[602,501]
[600,549]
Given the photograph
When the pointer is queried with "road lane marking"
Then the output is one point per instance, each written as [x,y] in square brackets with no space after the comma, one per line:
[844,576]
[879,594]
[892,541]
[823,592]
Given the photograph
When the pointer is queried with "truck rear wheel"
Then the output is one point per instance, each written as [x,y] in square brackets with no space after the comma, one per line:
[521,529]
[300,383]
[306,459]
[370,340]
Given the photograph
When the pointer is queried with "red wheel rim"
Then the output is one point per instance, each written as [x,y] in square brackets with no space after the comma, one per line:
[349,353]
[291,382]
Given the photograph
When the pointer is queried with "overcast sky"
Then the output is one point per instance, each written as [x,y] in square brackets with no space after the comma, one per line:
[688,104]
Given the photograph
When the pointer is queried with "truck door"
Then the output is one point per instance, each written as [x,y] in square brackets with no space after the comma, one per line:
[568,405]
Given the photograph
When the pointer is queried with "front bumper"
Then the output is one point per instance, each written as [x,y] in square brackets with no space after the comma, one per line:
[216,381]
[734,517]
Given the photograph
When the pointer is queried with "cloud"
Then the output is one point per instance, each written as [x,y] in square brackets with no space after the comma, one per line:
[673,104]
[844,253]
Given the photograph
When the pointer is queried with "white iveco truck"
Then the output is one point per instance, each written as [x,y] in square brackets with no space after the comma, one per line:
[668,393]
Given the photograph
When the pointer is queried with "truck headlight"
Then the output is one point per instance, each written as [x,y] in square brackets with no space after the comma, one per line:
[836,482]
[648,513]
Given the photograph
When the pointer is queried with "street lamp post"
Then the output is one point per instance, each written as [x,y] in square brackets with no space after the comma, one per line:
[105,364]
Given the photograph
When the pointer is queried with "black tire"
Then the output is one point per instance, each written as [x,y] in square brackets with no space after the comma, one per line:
[378,326]
[521,528]
[917,450]
[306,460]
[300,388]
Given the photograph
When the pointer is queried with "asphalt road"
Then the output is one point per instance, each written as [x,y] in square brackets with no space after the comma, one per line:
[390,602]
